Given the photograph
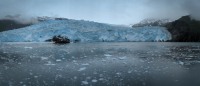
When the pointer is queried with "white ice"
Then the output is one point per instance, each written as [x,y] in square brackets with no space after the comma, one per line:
[82,69]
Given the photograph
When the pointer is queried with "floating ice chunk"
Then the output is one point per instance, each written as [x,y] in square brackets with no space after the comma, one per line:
[75,77]
[107,55]
[125,63]
[44,58]
[5,52]
[118,73]
[50,63]
[6,67]
[94,80]
[188,58]
[21,82]
[122,58]
[197,61]
[86,64]
[191,56]
[30,73]
[74,61]
[35,76]
[130,71]
[181,63]
[58,60]
[91,51]
[28,47]
[85,83]
[101,79]
[82,69]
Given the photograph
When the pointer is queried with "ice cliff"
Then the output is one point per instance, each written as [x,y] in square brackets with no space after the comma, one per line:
[84,31]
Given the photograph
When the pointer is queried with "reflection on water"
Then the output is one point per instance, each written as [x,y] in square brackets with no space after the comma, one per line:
[100,64]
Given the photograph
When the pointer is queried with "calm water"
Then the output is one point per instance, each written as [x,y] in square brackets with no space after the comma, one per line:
[100,64]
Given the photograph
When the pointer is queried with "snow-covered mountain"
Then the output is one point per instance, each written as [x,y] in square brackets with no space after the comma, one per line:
[84,31]
[152,22]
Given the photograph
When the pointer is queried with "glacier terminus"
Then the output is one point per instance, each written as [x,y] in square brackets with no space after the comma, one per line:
[84,31]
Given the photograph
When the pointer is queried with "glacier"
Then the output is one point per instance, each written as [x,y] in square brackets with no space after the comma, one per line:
[84,31]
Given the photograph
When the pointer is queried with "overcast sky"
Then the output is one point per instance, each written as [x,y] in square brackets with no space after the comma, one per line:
[105,11]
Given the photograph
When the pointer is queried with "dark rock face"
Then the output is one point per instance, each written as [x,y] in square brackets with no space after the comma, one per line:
[184,29]
[7,24]
[60,39]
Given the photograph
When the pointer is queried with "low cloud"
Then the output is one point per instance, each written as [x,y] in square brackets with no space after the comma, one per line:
[106,11]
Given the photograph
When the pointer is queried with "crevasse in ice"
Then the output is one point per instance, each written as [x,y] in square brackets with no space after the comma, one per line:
[84,31]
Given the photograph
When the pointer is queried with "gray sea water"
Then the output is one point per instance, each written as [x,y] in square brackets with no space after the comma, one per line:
[100,64]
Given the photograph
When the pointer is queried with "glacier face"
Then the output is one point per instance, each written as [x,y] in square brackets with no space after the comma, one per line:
[84,31]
